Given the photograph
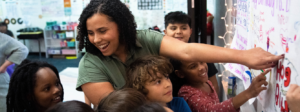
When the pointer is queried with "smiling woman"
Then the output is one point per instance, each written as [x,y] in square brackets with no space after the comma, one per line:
[107,31]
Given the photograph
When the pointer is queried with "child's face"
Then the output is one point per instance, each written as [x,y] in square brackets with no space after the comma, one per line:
[179,31]
[48,90]
[193,71]
[3,29]
[159,90]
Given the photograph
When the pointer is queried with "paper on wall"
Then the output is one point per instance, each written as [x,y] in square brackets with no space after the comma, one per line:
[27,9]
[52,8]
[11,9]
[1,12]
[77,7]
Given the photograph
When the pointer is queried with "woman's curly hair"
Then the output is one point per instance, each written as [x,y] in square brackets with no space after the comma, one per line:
[118,13]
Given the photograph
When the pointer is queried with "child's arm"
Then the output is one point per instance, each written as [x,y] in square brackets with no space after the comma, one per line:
[254,89]
[198,102]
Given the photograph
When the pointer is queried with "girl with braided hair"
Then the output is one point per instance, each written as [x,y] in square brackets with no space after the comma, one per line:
[107,31]
[34,87]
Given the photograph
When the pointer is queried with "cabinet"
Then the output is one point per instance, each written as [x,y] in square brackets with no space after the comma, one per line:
[61,43]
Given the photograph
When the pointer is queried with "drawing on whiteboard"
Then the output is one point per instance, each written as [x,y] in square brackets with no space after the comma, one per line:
[284,43]
[286,75]
[282,20]
[268,43]
[297,26]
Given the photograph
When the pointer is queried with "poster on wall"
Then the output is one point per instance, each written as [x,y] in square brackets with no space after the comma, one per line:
[27,9]
[76,6]
[11,9]
[52,8]
[1,10]
[67,6]
[176,5]
[273,25]
[146,18]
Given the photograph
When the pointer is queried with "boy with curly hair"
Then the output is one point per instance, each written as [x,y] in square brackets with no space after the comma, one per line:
[150,75]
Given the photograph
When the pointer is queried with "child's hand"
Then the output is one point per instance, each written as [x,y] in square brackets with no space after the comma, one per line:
[293,97]
[256,85]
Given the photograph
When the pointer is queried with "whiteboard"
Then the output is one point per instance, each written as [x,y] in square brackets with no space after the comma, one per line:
[273,25]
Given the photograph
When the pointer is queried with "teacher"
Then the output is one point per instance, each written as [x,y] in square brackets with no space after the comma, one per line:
[107,31]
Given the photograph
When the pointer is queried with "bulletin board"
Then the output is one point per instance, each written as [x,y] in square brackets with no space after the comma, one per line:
[149,13]
[273,25]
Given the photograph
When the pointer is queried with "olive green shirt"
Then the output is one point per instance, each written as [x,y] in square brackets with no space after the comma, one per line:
[110,68]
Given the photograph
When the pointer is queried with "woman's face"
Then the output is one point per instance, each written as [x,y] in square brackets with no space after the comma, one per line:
[103,33]
[48,90]
[194,71]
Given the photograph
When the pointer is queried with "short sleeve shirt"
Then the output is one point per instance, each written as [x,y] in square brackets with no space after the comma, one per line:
[178,104]
[92,68]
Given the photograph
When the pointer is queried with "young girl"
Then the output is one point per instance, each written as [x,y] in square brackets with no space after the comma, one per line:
[150,75]
[200,94]
[107,31]
[34,87]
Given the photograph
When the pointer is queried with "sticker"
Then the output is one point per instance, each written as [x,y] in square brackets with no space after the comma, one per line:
[13,21]
[6,21]
[20,21]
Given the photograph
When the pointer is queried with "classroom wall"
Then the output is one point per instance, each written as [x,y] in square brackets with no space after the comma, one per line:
[33,14]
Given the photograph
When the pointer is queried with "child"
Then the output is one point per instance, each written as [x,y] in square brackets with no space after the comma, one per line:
[150,75]
[201,95]
[34,87]
[125,100]
[178,25]
[71,106]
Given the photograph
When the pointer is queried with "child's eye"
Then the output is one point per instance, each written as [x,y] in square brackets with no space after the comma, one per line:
[192,67]
[57,84]
[158,82]
[47,89]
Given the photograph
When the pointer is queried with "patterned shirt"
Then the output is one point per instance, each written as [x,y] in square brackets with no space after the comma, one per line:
[201,101]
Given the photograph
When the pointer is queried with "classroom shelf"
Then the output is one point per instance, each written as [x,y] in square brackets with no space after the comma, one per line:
[61,39]
[52,42]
